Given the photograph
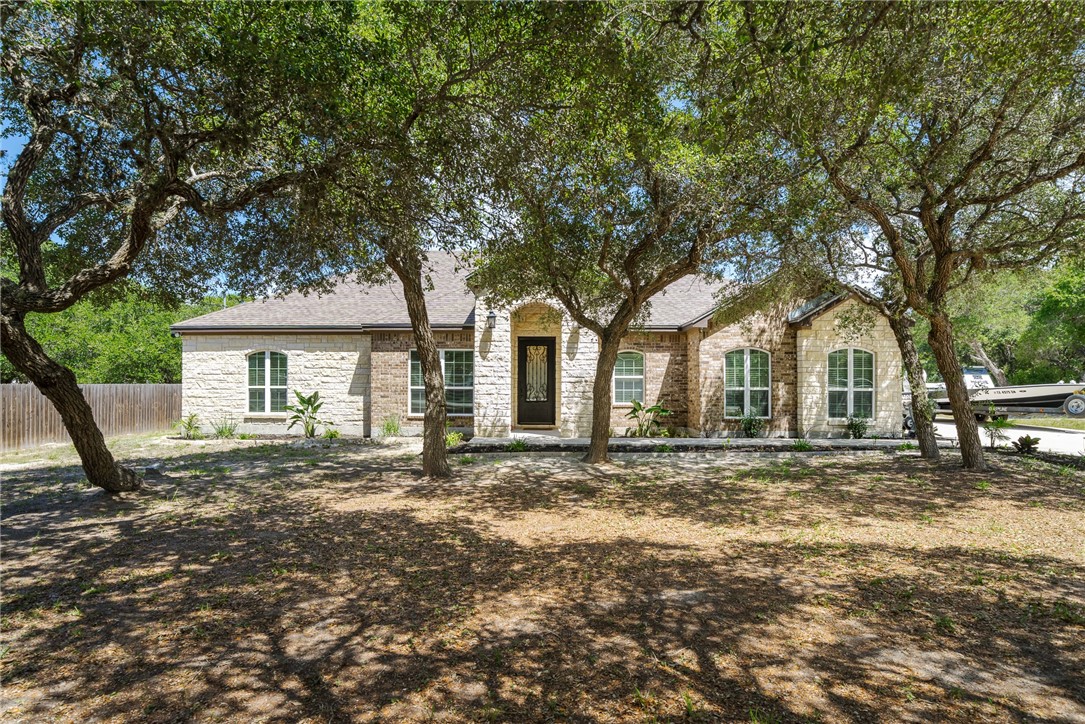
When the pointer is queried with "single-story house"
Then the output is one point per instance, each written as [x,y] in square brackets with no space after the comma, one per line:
[531,367]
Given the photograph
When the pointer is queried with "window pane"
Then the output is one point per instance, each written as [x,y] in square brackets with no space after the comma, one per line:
[838,404]
[278,399]
[256,370]
[863,404]
[460,402]
[733,401]
[629,364]
[418,402]
[736,369]
[256,399]
[628,389]
[416,371]
[278,369]
[459,369]
[759,369]
[863,367]
[838,368]
[759,402]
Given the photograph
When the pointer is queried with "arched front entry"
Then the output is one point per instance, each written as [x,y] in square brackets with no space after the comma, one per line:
[536,366]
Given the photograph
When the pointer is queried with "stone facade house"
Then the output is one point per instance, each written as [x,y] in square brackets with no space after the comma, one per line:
[530,367]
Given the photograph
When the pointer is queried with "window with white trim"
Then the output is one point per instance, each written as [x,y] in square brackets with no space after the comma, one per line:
[458,368]
[267,382]
[851,384]
[746,377]
[629,378]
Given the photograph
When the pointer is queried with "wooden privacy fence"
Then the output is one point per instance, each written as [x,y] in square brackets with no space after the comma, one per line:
[28,419]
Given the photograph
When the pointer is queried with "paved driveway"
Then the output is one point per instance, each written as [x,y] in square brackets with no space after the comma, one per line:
[1052,439]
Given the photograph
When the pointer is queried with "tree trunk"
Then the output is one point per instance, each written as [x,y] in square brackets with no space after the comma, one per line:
[968,434]
[997,373]
[59,385]
[922,416]
[408,267]
[601,398]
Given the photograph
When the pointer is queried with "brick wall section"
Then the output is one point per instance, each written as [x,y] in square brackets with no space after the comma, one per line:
[390,383]
[814,345]
[768,331]
[665,377]
[214,378]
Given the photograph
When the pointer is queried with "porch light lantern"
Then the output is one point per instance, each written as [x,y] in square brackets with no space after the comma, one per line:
[491,320]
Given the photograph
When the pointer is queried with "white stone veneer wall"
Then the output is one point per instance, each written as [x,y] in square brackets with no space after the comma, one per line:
[214,378]
[814,343]
[495,373]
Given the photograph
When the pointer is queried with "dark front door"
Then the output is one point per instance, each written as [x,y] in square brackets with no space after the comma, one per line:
[535,367]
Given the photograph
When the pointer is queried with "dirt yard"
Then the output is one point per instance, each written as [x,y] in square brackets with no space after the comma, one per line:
[285,582]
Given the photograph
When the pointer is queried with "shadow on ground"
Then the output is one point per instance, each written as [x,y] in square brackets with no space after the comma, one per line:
[283,582]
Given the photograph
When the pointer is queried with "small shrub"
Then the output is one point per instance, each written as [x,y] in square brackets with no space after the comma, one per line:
[225,429]
[647,418]
[1026,444]
[664,448]
[905,446]
[857,427]
[516,445]
[995,427]
[246,436]
[305,413]
[467,459]
[752,425]
[453,438]
[801,445]
[982,485]
[189,426]
[390,426]
[330,433]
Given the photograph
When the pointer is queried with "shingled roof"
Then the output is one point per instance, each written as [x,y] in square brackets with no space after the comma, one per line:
[354,307]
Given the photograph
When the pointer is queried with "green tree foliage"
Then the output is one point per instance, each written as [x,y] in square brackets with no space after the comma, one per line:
[145,128]
[955,133]
[125,339]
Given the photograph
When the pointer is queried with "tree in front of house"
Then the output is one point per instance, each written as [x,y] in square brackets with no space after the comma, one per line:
[957,131]
[636,180]
[143,130]
[449,74]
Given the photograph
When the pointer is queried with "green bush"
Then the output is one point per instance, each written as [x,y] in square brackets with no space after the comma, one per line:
[189,427]
[857,427]
[453,438]
[305,413]
[802,445]
[752,425]
[516,445]
[330,433]
[225,428]
[647,418]
[390,426]
[1026,444]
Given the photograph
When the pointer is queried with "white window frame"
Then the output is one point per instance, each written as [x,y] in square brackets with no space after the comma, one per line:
[746,382]
[851,388]
[267,387]
[614,377]
[441,352]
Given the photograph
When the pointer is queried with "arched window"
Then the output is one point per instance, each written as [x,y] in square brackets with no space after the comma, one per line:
[851,383]
[629,378]
[267,382]
[746,377]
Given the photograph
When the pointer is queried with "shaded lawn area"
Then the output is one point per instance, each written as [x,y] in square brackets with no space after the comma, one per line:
[285,582]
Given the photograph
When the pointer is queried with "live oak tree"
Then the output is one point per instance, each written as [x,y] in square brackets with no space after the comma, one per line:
[633,182]
[449,75]
[956,130]
[142,130]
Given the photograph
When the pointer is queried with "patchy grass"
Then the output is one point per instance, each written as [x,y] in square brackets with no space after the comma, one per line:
[325,581]
[1066,423]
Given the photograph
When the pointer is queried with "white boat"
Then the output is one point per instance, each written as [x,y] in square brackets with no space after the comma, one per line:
[1063,397]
